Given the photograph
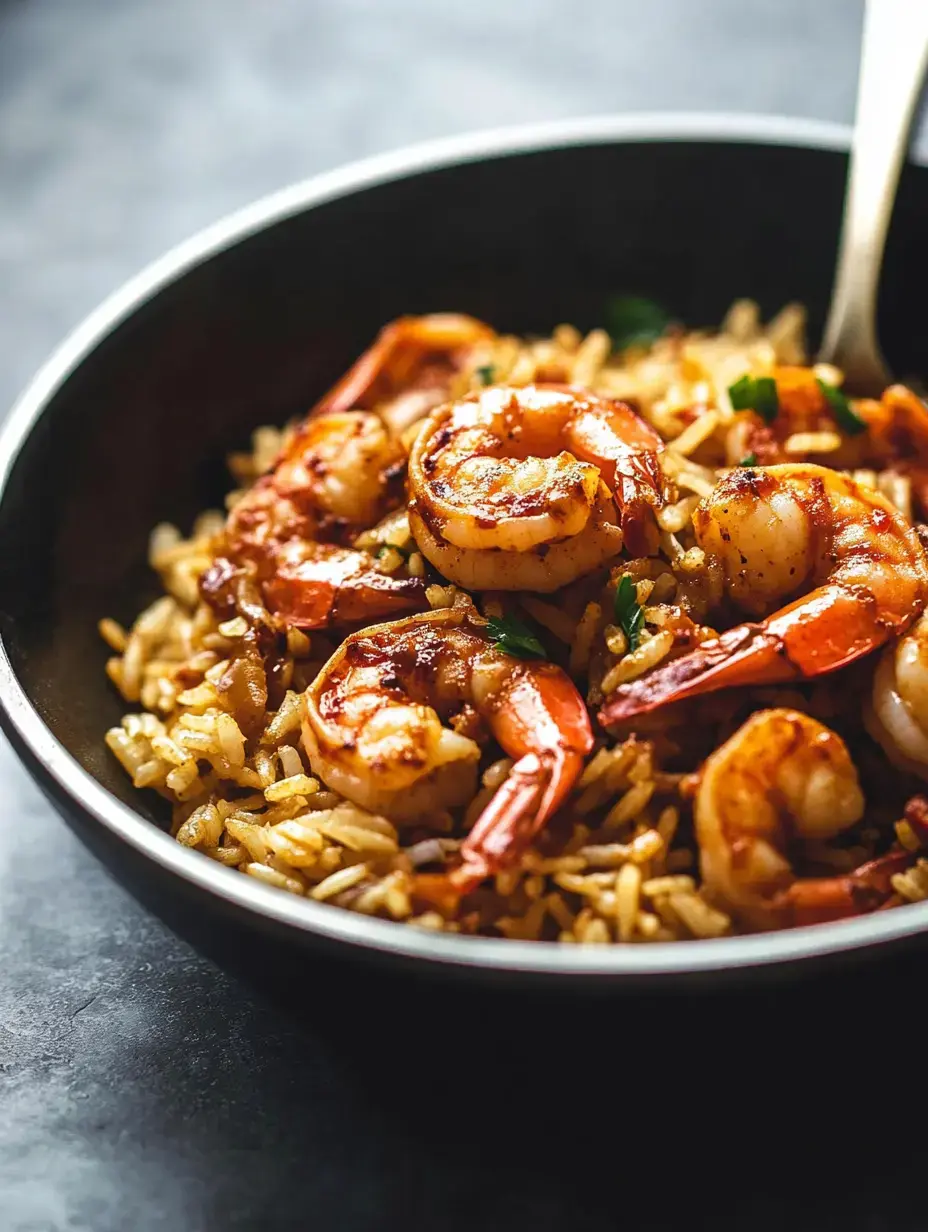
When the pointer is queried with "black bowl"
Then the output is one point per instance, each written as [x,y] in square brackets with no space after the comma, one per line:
[129,422]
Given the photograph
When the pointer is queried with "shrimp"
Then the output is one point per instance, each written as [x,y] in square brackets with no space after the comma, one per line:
[773,533]
[336,476]
[342,470]
[897,714]
[897,436]
[313,586]
[374,731]
[406,372]
[780,778]
[317,586]
[346,461]
[332,481]
[529,488]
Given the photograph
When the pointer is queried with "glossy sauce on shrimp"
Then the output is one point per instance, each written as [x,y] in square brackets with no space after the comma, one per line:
[379,729]
[342,470]
[854,568]
[530,488]
[897,714]
[781,780]
[445,629]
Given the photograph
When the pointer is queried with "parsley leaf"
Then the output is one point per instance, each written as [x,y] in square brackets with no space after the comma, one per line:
[846,418]
[755,394]
[514,638]
[749,459]
[629,615]
[384,548]
[485,373]
[633,321]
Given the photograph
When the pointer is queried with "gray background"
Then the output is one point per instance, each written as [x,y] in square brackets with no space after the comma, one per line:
[140,1087]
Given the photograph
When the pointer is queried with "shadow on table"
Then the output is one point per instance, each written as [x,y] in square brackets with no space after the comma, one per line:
[360,1089]
[740,1102]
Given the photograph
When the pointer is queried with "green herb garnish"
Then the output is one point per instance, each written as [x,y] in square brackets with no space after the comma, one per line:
[629,614]
[514,638]
[749,459]
[633,321]
[846,418]
[485,373]
[384,548]
[755,394]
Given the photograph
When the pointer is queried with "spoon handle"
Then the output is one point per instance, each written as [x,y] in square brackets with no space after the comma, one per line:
[892,68]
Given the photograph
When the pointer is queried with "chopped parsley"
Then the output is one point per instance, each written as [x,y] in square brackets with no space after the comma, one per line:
[633,321]
[515,638]
[758,394]
[749,459]
[629,614]
[846,417]
[485,374]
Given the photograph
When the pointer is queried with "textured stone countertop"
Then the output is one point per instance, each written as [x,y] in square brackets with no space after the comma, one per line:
[140,1087]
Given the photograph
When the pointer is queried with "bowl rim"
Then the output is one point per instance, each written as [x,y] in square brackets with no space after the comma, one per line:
[386,937]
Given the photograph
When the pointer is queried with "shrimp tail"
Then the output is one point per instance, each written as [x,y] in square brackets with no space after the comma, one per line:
[746,653]
[499,837]
[436,890]
[818,900]
[394,354]
[819,633]
[507,824]
[636,502]
[351,390]
[536,785]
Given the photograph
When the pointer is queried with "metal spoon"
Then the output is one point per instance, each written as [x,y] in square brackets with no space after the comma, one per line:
[892,68]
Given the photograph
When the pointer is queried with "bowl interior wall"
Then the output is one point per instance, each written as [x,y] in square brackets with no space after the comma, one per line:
[138,434]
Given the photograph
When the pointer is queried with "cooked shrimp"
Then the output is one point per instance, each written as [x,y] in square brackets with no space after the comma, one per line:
[895,441]
[316,585]
[775,533]
[312,586]
[897,438]
[782,778]
[406,372]
[337,475]
[345,460]
[897,716]
[517,488]
[374,730]
[342,470]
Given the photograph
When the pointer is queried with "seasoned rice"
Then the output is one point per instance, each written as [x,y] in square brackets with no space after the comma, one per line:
[620,865]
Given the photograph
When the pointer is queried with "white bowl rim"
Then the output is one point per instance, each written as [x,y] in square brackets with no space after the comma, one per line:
[390,939]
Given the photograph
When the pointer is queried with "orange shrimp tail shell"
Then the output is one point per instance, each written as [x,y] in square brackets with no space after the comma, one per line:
[820,900]
[808,638]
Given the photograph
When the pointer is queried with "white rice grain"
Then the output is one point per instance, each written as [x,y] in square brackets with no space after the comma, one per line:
[274,877]
[295,785]
[231,740]
[590,357]
[628,896]
[695,434]
[344,879]
[113,634]
[639,661]
[182,778]
[290,761]
[286,720]
[812,442]
[701,919]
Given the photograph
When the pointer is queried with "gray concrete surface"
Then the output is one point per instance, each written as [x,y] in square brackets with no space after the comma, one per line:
[140,1088]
